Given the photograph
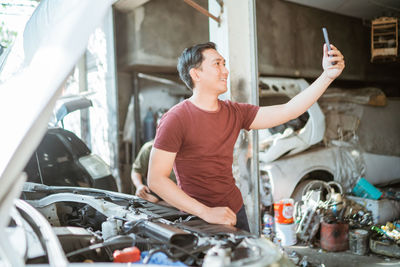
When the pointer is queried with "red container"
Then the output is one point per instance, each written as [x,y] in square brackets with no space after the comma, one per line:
[283,211]
[131,254]
[334,236]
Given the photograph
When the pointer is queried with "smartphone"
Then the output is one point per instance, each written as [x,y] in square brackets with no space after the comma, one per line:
[328,44]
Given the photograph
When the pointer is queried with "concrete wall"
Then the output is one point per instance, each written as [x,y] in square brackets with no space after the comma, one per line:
[289,39]
[125,90]
[380,127]
[157,32]
[290,43]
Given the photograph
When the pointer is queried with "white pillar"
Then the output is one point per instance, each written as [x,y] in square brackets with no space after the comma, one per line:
[236,39]
[112,93]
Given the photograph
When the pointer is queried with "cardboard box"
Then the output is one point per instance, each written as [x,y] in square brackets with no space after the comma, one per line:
[383,210]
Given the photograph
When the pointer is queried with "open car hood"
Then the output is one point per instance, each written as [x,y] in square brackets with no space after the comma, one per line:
[54,39]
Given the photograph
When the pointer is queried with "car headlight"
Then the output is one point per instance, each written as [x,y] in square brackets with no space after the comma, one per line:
[95,166]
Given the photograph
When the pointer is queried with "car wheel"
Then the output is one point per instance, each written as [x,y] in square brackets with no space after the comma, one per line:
[306,185]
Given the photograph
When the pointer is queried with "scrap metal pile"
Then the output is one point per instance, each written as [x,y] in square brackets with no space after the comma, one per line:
[328,218]
[325,202]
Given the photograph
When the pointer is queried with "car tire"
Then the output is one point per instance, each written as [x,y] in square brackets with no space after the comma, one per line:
[299,190]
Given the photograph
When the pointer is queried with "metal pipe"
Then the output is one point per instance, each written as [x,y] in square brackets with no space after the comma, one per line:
[160,80]
[255,172]
[168,234]
[138,126]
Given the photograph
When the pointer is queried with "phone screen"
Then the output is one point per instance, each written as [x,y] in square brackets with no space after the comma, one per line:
[328,44]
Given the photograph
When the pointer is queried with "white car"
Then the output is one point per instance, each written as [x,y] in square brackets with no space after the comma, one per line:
[344,157]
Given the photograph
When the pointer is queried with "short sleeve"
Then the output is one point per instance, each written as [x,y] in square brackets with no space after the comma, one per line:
[169,134]
[248,113]
[142,160]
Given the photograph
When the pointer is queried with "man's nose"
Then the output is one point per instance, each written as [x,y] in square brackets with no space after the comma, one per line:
[225,70]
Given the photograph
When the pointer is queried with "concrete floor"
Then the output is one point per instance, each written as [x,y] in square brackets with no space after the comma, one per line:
[316,257]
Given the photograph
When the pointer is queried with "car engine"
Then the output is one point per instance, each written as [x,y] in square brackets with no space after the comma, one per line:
[76,224]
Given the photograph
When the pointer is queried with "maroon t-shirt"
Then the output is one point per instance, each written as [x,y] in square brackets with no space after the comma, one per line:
[204,142]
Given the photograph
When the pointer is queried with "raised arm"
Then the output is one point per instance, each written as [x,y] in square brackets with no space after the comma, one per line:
[271,116]
[161,163]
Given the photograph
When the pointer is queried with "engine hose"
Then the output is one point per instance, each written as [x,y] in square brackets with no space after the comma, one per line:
[128,240]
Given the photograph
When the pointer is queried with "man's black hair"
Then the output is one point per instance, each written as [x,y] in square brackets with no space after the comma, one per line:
[192,57]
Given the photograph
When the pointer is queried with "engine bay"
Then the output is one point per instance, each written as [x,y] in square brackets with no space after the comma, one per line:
[91,225]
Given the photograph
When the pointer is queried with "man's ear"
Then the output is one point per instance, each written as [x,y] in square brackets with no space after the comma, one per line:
[194,74]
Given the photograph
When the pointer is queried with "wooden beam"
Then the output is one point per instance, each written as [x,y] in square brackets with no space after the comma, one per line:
[201,9]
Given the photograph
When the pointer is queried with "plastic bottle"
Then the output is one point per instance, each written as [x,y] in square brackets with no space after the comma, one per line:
[109,228]
[268,225]
[393,235]
[391,232]
[149,127]
[377,229]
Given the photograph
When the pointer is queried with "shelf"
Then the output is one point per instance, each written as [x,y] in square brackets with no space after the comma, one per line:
[385,26]
[383,33]
[384,38]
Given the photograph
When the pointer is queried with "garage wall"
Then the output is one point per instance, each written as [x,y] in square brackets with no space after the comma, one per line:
[373,120]
[125,86]
[157,32]
[290,43]
[289,39]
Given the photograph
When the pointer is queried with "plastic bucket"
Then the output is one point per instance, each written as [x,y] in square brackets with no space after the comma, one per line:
[283,211]
[358,241]
[286,233]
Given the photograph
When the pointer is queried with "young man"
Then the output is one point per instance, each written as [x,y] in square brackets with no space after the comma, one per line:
[197,136]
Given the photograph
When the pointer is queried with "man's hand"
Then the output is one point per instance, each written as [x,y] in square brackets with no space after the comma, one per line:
[332,71]
[219,215]
[144,192]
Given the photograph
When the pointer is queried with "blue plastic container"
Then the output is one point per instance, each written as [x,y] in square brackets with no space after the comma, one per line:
[149,126]
[366,190]
[158,258]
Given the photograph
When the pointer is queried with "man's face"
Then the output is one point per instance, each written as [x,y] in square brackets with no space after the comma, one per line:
[212,73]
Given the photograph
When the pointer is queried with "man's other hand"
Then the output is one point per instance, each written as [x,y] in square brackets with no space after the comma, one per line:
[144,192]
[219,215]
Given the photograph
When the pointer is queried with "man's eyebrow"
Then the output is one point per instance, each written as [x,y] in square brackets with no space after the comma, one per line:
[218,59]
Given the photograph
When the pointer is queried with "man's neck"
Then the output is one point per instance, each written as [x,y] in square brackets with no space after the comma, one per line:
[204,101]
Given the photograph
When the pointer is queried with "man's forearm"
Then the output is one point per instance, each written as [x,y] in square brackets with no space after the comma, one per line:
[171,193]
[333,65]
[305,99]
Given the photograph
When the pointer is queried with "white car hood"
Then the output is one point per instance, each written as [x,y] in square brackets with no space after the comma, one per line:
[54,39]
